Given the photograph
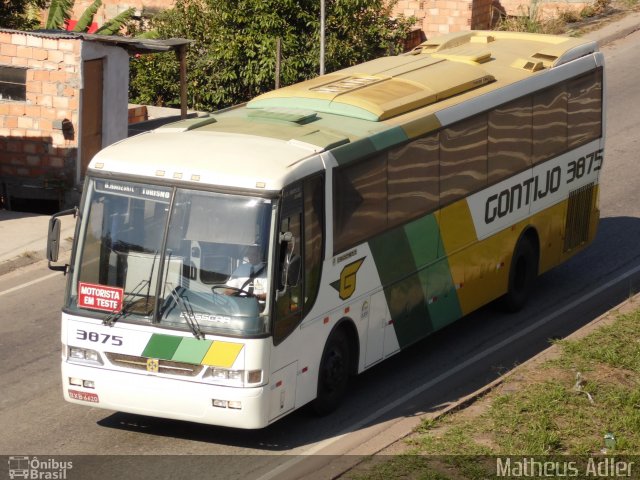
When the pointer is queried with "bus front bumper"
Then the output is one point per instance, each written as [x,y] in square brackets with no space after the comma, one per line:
[165,397]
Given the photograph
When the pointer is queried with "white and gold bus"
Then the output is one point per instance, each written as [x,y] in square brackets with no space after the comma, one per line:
[230,269]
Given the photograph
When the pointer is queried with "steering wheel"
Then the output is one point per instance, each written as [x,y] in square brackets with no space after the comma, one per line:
[232,291]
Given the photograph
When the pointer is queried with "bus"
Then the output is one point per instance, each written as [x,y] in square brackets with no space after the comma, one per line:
[230,269]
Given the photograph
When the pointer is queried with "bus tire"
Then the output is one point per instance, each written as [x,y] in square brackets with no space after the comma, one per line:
[333,375]
[522,275]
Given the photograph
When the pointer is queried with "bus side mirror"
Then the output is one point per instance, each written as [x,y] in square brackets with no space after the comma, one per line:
[53,239]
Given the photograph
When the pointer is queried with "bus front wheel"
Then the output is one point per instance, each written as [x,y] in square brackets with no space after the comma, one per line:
[333,376]
[522,275]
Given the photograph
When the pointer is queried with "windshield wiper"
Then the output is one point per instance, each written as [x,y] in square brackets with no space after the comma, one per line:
[116,315]
[187,312]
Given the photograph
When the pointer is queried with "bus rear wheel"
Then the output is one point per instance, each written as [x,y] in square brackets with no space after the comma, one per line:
[522,275]
[333,376]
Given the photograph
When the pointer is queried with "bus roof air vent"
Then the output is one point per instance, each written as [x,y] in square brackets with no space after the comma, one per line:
[347,84]
[285,114]
[530,64]
[186,125]
[383,88]
[481,38]
[319,140]
[464,55]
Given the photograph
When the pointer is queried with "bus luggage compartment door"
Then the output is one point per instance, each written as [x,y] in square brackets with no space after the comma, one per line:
[282,397]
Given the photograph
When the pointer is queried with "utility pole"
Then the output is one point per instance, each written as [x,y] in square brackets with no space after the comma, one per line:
[278,59]
[322,25]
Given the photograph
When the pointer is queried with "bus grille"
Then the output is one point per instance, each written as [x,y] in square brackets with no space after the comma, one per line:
[164,366]
[578,217]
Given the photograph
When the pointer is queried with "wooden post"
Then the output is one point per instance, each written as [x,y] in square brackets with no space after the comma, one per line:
[181,53]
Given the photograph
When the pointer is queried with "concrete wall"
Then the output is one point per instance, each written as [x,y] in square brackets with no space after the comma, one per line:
[115,111]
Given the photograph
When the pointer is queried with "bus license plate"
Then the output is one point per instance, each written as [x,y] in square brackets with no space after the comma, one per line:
[84,396]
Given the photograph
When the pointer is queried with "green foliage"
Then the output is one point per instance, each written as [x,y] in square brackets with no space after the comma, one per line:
[529,20]
[233,55]
[59,13]
[20,14]
[84,23]
[113,26]
[616,345]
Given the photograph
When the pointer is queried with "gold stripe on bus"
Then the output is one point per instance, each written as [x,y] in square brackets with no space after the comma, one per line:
[222,354]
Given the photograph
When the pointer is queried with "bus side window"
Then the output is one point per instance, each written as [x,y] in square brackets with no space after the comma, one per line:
[288,311]
[302,214]
[313,238]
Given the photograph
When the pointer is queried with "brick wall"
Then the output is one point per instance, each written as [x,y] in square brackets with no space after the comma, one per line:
[482,17]
[138,113]
[38,137]
[438,17]
[111,8]
[515,7]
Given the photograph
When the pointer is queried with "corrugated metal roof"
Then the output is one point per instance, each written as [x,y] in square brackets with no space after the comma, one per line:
[131,44]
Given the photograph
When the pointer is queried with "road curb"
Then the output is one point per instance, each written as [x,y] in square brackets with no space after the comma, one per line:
[30,257]
[25,259]
[633,21]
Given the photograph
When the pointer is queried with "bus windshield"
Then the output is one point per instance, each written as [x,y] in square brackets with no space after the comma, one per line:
[176,257]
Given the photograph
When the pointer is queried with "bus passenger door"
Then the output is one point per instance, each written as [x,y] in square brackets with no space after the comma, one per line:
[381,340]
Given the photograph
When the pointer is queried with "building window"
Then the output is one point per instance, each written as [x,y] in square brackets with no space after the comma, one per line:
[13,83]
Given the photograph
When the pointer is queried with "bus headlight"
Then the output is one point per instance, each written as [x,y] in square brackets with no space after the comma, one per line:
[84,355]
[236,378]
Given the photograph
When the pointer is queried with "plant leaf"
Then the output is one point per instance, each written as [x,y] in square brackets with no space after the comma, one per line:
[59,13]
[86,19]
[113,26]
[150,34]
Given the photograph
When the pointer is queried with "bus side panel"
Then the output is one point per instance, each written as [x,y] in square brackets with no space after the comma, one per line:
[477,267]
[549,224]
[347,289]
[434,270]
[417,280]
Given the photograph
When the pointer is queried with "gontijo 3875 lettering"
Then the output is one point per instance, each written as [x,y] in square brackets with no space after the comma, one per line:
[529,191]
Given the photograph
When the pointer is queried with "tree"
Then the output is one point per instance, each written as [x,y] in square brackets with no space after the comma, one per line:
[233,59]
[60,14]
[20,14]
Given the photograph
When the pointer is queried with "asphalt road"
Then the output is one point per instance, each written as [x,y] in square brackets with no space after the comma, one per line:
[432,373]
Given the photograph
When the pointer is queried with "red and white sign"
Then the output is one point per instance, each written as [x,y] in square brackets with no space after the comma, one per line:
[100,297]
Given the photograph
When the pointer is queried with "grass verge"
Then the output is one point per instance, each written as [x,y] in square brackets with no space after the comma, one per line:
[583,402]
